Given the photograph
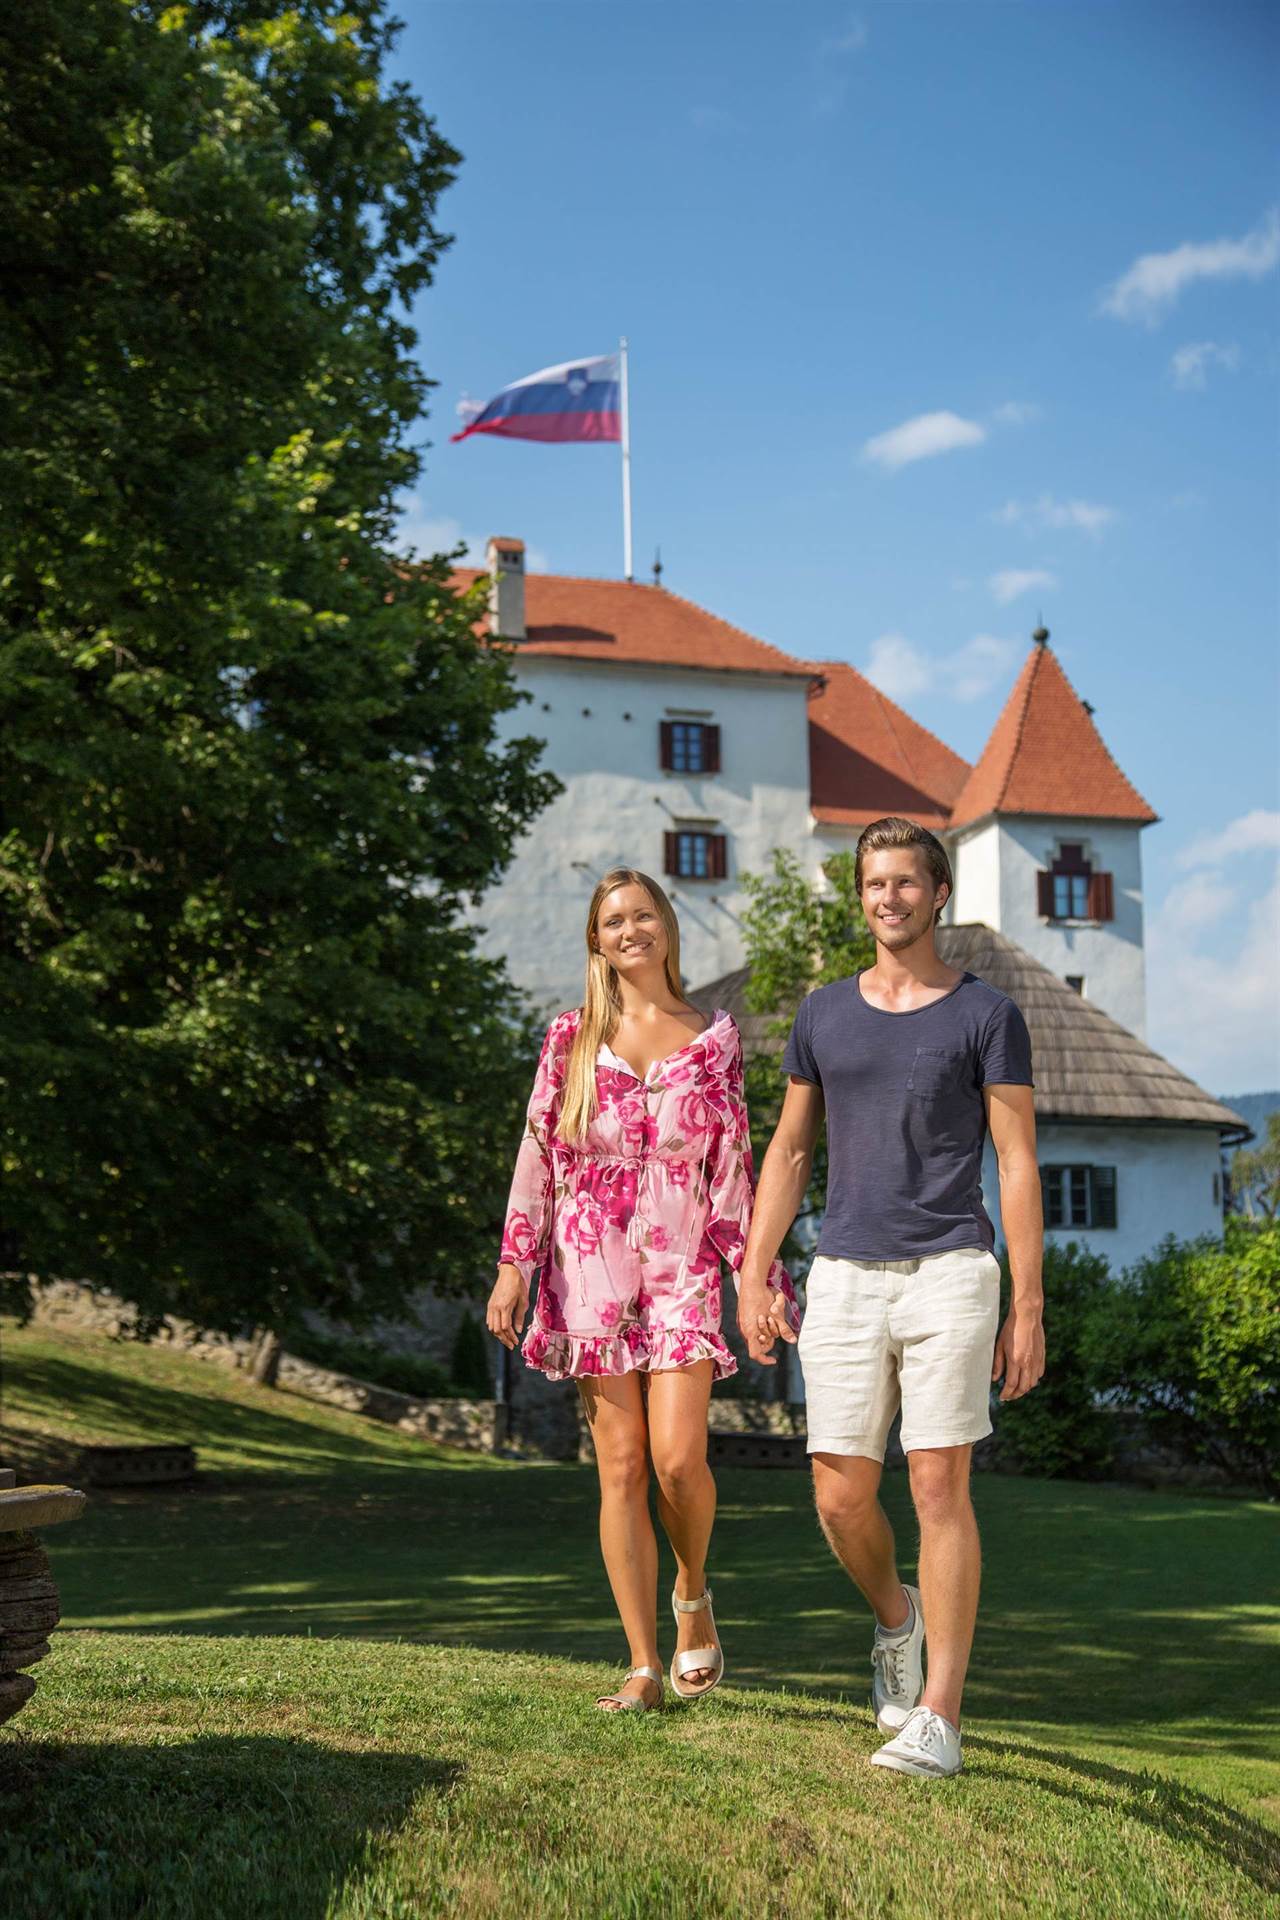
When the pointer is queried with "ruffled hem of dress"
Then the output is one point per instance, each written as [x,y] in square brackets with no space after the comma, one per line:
[568,1356]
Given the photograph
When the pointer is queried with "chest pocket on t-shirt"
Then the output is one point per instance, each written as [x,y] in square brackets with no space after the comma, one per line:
[934,1071]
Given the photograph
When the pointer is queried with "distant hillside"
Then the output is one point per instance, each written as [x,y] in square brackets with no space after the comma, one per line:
[1253,1107]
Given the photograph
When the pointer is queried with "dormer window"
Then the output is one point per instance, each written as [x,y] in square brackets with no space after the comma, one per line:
[1072,890]
[689,746]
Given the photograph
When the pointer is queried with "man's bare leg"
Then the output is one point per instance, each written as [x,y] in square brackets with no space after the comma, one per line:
[846,1488]
[950,1570]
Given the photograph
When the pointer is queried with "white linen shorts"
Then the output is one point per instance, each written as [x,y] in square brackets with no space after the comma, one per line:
[916,1334]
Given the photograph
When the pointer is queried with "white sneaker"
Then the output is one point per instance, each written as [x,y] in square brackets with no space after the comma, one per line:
[927,1745]
[897,1671]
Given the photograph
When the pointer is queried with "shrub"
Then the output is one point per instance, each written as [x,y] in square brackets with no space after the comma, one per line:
[1192,1343]
[472,1367]
[1059,1429]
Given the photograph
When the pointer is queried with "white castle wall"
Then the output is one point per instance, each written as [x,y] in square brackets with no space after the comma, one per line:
[618,803]
[1165,1184]
[996,865]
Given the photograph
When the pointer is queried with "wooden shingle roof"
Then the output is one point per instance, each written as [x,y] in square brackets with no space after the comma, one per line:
[1087,1066]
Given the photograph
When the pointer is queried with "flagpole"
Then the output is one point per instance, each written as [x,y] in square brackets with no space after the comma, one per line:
[626,467]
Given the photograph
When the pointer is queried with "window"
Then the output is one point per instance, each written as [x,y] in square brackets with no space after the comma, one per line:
[693,853]
[1079,1196]
[1075,981]
[1071,890]
[689,746]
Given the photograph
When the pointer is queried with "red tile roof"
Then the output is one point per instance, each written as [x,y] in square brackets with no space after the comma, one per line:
[577,619]
[868,758]
[1045,756]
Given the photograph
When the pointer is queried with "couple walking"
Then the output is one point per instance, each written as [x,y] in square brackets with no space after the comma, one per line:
[634,1183]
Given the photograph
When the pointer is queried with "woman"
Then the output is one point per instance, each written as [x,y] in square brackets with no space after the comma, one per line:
[633,1181]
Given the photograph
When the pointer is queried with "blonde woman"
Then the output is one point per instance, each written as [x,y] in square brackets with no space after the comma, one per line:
[633,1182]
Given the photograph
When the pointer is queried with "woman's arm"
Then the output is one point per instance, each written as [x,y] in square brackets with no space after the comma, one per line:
[526,1233]
[784,1179]
[733,1199]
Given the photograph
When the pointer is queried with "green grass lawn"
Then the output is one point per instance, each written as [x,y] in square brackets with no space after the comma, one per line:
[348,1674]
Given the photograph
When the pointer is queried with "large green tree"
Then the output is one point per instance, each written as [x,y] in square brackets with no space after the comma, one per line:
[250,1059]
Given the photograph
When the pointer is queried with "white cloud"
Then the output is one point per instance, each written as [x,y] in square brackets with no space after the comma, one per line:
[896,667]
[1256,832]
[1213,958]
[1087,515]
[921,438]
[1017,413]
[903,670]
[851,39]
[1189,365]
[1154,282]
[430,533]
[1012,581]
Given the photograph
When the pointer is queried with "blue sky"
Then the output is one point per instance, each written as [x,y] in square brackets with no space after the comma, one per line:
[941,317]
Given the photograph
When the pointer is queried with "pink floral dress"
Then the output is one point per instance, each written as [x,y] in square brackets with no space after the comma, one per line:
[625,1230]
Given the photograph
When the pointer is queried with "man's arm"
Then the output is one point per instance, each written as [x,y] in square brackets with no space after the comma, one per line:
[784,1178]
[1019,1354]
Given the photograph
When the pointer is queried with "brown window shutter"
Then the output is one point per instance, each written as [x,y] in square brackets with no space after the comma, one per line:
[719,852]
[1044,894]
[670,849]
[711,749]
[1101,897]
[666,754]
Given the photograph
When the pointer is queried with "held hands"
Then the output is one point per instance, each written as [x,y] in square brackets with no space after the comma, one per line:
[1019,1353]
[762,1319]
[508,1304]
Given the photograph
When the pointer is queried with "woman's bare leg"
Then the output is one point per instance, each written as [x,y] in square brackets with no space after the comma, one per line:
[616,1416]
[678,1403]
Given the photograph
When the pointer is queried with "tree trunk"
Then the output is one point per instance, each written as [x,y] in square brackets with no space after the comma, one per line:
[264,1364]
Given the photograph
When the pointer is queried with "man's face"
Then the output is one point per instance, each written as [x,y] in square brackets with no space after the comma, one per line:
[899,897]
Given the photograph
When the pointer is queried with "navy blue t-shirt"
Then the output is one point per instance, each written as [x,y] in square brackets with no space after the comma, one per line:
[905,1114]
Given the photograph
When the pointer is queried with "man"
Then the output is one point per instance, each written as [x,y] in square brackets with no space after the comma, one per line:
[911,1062]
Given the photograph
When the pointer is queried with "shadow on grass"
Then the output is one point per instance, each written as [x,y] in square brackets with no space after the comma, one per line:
[248,1826]
[1102,1607]
[1180,1813]
[107,1401]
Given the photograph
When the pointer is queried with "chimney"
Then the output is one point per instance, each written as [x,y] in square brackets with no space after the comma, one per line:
[506,587]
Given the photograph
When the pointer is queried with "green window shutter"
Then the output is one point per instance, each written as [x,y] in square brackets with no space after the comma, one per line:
[1102,1183]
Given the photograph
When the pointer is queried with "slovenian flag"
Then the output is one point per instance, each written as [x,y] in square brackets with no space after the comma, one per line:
[581,400]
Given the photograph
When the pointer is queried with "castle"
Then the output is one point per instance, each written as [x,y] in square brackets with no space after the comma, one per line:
[692,750]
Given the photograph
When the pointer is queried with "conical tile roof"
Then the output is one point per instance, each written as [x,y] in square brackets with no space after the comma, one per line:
[1045,756]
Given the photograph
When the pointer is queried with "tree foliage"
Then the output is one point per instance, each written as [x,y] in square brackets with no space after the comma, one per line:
[798,936]
[251,1060]
[1191,1341]
[1254,1174]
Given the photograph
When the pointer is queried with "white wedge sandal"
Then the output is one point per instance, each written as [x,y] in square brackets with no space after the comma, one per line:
[627,1703]
[696,1657]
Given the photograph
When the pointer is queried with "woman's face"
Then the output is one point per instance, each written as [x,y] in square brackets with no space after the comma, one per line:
[629,932]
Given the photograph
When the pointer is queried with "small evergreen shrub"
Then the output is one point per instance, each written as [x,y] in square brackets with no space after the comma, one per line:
[1059,1429]
[472,1364]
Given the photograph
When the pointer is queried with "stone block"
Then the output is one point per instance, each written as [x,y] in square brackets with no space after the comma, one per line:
[15,1691]
[24,1507]
[160,1464]
[21,1650]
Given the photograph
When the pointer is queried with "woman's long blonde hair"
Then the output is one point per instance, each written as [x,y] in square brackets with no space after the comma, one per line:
[602,1002]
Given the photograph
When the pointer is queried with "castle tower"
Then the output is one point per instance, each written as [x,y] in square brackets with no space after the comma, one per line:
[1044,839]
